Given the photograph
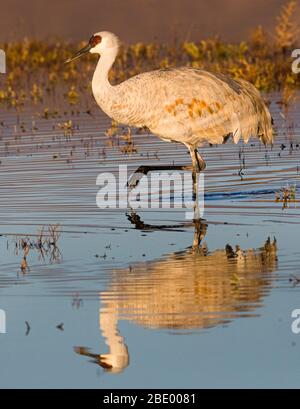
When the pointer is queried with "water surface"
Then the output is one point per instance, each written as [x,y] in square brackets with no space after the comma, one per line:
[105,306]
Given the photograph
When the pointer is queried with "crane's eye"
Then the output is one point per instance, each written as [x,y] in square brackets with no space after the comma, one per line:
[94,40]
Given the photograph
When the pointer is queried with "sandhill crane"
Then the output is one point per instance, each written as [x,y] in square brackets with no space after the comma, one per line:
[186,105]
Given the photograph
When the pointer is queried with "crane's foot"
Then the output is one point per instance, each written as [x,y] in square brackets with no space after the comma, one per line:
[136,220]
[135,178]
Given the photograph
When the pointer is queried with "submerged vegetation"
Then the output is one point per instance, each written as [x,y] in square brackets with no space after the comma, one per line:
[37,73]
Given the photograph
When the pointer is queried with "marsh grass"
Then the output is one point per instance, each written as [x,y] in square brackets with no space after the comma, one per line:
[286,195]
[45,242]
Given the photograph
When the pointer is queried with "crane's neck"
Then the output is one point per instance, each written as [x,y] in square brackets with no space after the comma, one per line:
[100,82]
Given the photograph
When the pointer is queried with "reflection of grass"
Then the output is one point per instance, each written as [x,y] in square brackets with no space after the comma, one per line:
[286,195]
[36,69]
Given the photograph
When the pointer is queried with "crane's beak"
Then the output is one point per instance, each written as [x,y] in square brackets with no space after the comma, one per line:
[79,53]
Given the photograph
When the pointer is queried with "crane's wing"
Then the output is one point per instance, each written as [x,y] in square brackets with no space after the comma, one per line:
[199,103]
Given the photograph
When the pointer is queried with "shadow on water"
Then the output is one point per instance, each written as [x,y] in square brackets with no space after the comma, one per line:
[191,290]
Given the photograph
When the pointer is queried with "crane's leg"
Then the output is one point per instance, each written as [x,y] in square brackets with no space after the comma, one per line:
[198,165]
[134,179]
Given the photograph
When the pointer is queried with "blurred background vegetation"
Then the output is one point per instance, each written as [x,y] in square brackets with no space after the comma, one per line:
[36,72]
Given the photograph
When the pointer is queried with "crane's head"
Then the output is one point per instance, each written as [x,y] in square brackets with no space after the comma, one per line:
[100,43]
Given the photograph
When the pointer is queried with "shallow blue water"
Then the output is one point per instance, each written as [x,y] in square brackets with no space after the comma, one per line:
[124,289]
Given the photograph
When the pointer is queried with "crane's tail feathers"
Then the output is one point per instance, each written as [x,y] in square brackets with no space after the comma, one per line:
[265,129]
[257,120]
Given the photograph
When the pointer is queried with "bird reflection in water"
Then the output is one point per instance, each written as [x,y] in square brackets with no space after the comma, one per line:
[188,290]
